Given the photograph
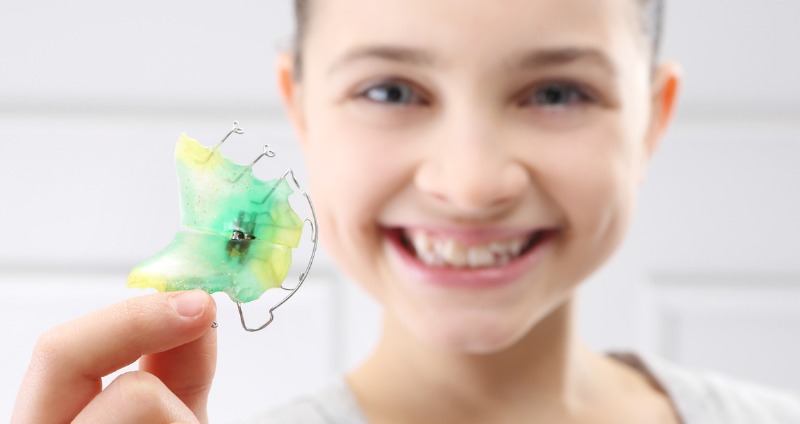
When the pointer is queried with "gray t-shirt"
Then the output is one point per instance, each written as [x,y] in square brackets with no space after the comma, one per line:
[699,398]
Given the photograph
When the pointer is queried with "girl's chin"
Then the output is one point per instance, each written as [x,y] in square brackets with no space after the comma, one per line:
[465,331]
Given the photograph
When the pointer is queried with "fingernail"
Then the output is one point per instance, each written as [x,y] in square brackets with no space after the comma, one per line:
[190,304]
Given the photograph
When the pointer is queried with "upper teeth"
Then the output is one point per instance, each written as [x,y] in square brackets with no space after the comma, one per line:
[440,251]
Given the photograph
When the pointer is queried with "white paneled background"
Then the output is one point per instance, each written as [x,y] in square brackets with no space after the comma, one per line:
[93,95]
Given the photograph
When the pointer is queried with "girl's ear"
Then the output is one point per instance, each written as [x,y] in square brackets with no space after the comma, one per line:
[291,93]
[666,83]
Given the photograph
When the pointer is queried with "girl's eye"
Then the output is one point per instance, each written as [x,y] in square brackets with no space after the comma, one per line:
[392,93]
[558,95]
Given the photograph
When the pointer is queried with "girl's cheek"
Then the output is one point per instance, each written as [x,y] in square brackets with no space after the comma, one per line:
[586,172]
[358,168]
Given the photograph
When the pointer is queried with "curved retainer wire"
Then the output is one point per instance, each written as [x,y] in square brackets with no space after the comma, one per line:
[312,222]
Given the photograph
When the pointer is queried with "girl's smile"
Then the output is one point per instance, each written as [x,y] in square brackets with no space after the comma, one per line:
[462,258]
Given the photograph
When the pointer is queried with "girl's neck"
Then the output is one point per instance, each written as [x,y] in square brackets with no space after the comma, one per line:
[548,366]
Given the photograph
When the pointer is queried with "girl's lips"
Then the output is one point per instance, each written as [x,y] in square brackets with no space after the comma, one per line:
[469,278]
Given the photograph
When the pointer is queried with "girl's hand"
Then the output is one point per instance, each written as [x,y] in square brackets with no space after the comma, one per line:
[170,332]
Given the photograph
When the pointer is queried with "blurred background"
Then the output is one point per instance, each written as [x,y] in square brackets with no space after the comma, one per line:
[93,95]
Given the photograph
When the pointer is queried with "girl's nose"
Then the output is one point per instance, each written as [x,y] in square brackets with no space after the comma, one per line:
[473,176]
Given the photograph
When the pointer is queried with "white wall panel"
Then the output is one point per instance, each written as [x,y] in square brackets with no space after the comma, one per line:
[719,198]
[739,55]
[743,326]
[90,52]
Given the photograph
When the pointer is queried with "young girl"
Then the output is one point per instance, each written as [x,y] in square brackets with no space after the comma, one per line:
[471,162]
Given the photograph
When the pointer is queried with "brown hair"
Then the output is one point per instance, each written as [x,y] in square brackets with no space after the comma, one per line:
[652,24]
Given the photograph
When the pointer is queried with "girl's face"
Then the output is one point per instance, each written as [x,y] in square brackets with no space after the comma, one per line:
[473,161]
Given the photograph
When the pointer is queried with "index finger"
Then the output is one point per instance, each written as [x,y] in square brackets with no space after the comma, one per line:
[70,360]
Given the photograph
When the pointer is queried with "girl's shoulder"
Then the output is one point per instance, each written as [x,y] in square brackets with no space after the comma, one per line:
[333,404]
[700,397]
[709,398]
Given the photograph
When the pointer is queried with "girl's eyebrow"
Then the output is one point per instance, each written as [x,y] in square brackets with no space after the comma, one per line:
[565,56]
[389,53]
[537,58]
